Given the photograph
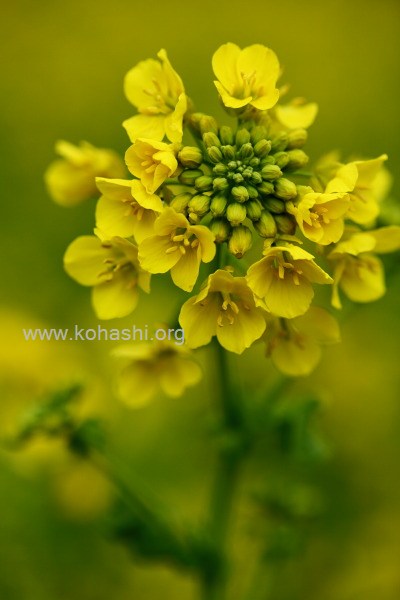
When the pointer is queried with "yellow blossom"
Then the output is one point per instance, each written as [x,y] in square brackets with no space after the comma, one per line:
[71,179]
[126,209]
[157,91]
[152,162]
[294,344]
[284,277]
[112,268]
[178,247]
[358,273]
[297,114]
[151,366]
[246,77]
[225,307]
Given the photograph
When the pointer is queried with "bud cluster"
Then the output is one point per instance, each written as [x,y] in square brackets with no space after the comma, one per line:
[240,180]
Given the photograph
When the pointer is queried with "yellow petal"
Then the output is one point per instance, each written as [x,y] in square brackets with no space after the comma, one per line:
[173,123]
[296,357]
[387,239]
[224,64]
[169,220]
[137,384]
[115,298]
[206,239]
[114,218]
[185,272]
[140,79]
[296,116]
[363,279]
[84,259]
[145,126]
[318,324]
[177,374]
[229,100]
[153,256]
[248,326]
[199,320]
[285,299]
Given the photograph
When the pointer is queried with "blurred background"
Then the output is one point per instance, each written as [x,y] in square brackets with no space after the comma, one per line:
[62,70]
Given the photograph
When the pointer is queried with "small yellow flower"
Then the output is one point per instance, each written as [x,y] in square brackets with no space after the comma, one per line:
[126,209]
[358,273]
[284,277]
[157,91]
[225,307]
[297,114]
[152,366]
[71,179]
[178,247]
[112,268]
[152,162]
[294,344]
[246,76]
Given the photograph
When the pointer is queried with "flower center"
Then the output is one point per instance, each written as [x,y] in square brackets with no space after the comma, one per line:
[182,240]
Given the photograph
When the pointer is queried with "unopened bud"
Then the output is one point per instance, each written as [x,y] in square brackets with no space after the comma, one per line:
[203,183]
[258,133]
[208,124]
[218,205]
[246,151]
[228,152]
[297,138]
[180,202]
[285,189]
[297,159]
[240,193]
[254,209]
[266,188]
[280,142]
[221,229]
[266,226]
[267,160]
[220,184]
[271,172]
[236,213]
[256,178]
[220,169]
[211,139]
[274,205]
[214,154]
[226,135]
[240,241]
[253,192]
[281,159]
[242,137]
[190,157]
[171,190]
[199,204]
[254,162]
[262,148]
[286,224]
[188,176]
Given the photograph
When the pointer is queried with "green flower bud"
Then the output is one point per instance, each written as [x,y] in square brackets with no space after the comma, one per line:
[214,154]
[208,124]
[204,183]
[274,205]
[256,178]
[266,226]
[220,169]
[266,188]
[297,138]
[286,224]
[237,177]
[253,209]
[267,160]
[240,193]
[240,241]
[242,137]
[285,189]
[171,190]
[188,176]
[232,165]
[297,159]
[220,184]
[281,159]
[199,204]
[246,151]
[254,162]
[258,133]
[226,135]
[210,139]
[279,143]
[221,229]
[228,152]
[253,192]
[190,157]
[262,148]
[218,205]
[180,203]
[193,218]
[271,172]
[236,213]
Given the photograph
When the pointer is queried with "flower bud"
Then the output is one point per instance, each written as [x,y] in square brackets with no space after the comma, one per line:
[256,178]
[246,151]
[236,213]
[258,133]
[266,188]
[267,160]
[220,184]
[214,154]
[285,189]
[180,202]
[242,137]
[190,157]
[254,162]
[240,241]
[297,159]
[253,209]
[266,226]
[208,124]
[226,135]
[210,139]
[218,205]
[240,193]
[199,204]
[297,138]
[220,169]
[279,143]
[262,148]
[285,224]
[281,159]
[221,229]
[274,205]
[253,192]
[271,172]
[188,176]
[228,152]
[203,183]
[171,190]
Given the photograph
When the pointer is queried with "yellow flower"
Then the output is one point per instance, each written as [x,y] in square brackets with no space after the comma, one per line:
[152,366]
[152,162]
[358,273]
[294,344]
[112,268]
[157,91]
[178,247]
[246,76]
[71,179]
[283,278]
[126,209]
[297,114]
[225,307]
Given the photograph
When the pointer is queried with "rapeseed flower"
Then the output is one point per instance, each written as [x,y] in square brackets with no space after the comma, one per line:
[152,162]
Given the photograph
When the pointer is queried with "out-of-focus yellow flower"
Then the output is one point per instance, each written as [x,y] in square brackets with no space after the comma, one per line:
[358,273]
[294,344]
[284,277]
[112,268]
[178,247]
[157,91]
[126,208]
[151,366]
[152,162]
[225,307]
[71,179]
[297,114]
[246,77]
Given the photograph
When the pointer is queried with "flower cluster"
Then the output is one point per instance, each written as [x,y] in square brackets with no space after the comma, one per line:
[241,198]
